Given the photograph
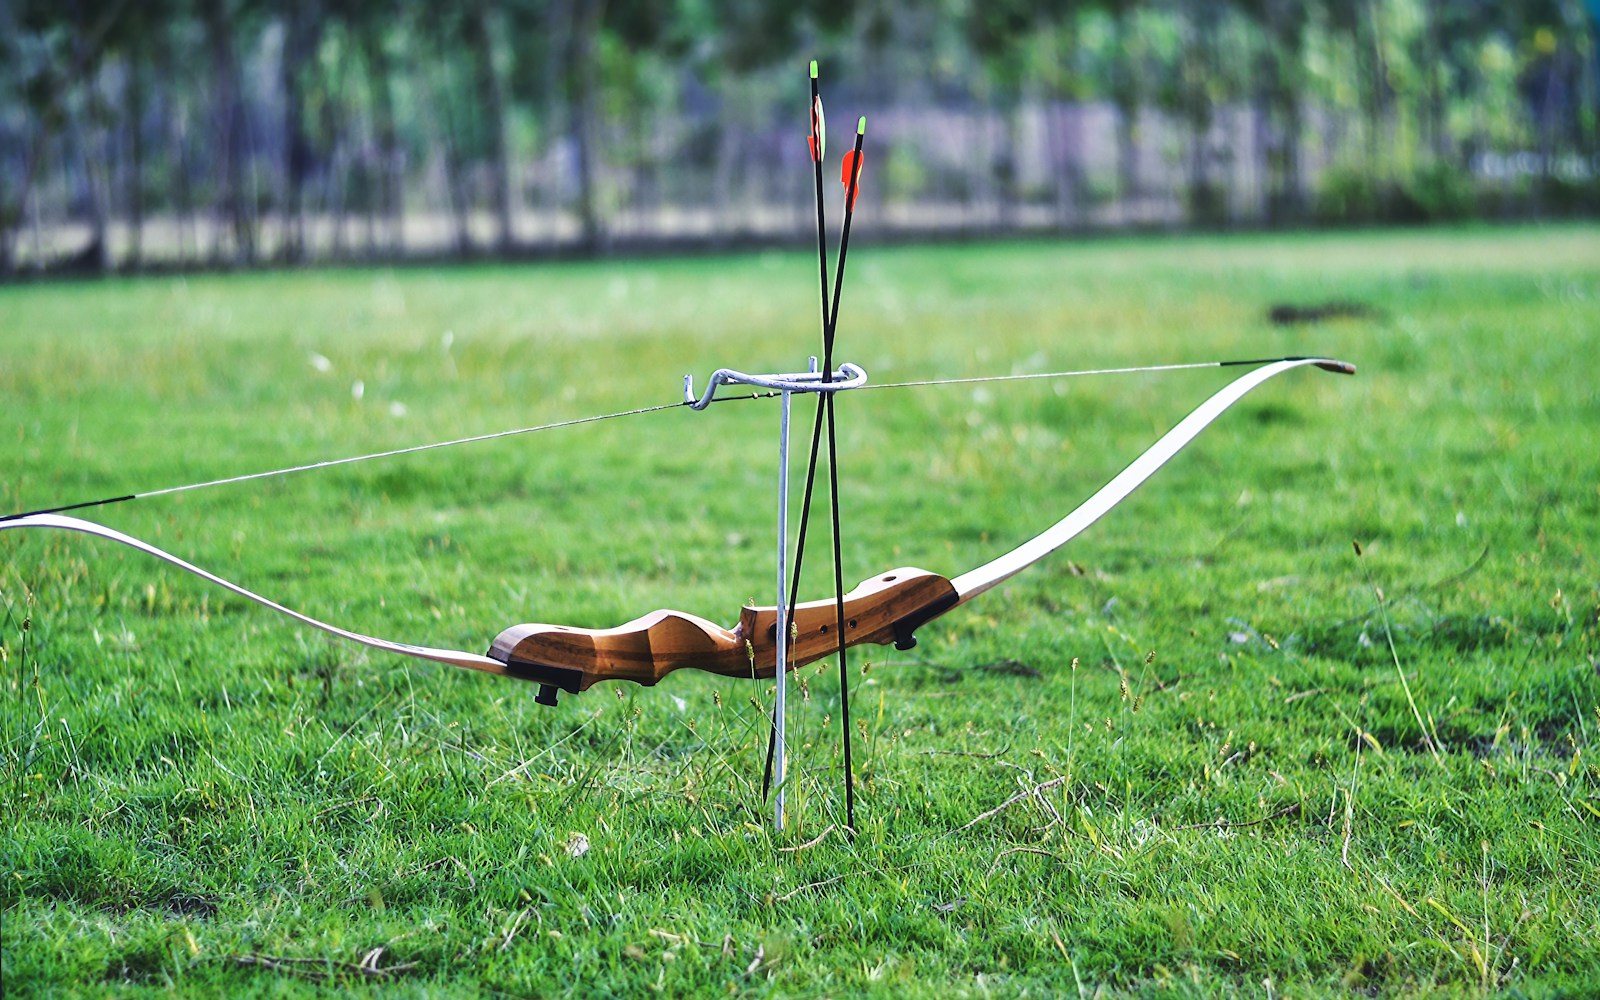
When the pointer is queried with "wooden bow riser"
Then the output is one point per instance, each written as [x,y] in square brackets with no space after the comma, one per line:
[885,609]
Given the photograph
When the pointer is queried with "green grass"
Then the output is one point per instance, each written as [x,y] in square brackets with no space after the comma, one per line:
[200,796]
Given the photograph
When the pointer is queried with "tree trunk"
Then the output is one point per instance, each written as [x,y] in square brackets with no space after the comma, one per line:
[558,51]
[1008,165]
[454,168]
[136,107]
[1283,63]
[1065,123]
[1589,79]
[1292,207]
[182,182]
[491,87]
[231,125]
[1584,22]
[1205,201]
[89,135]
[8,229]
[48,111]
[1437,139]
[390,179]
[11,214]
[585,120]
[720,206]
[1551,101]
[1377,104]
[338,182]
[1263,133]
[301,37]
[1125,93]
[26,204]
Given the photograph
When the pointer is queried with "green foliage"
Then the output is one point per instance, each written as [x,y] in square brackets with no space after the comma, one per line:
[1179,758]
[1439,193]
[239,133]
[1432,193]
[1348,195]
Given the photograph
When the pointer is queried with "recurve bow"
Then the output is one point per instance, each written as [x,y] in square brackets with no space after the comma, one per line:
[888,608]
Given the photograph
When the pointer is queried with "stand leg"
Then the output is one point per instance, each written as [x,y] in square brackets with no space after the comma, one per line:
[780,708]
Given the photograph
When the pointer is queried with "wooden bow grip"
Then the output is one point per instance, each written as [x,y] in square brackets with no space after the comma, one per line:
[887,608]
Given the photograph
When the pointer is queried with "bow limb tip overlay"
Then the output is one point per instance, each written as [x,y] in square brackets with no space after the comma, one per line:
[886,609]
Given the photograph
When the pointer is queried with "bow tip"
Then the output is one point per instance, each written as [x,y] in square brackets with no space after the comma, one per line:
[1337,367]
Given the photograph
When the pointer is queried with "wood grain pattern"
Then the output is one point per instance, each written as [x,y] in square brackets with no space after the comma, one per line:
[881,610]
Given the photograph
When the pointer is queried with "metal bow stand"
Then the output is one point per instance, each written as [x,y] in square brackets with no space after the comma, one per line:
[785,386]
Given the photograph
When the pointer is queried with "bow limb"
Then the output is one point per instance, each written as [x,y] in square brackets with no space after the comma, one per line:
[974,582]
[888,608]
[453,657]
[885,609]
[643,650]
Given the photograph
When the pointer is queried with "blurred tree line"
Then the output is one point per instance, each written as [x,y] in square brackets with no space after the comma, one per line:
[235,132]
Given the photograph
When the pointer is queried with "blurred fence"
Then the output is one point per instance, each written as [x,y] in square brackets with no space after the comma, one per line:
[224,133]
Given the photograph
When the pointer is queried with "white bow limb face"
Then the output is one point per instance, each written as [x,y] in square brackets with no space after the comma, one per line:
[453,657]
[974,582]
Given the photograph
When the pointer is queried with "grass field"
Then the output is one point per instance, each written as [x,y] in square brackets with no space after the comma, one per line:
[1179,758]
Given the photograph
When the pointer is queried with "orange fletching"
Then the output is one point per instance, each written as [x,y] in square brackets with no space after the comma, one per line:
[852,165]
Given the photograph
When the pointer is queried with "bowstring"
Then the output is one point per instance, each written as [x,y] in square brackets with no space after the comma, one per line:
[372,456]
[573,422]
[1077,373]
